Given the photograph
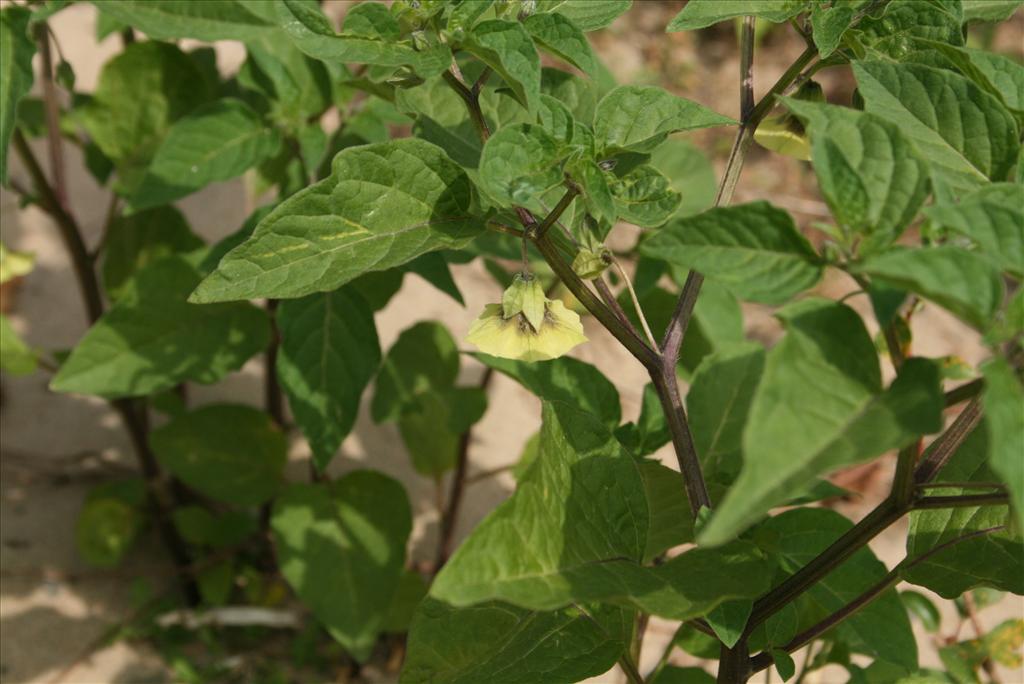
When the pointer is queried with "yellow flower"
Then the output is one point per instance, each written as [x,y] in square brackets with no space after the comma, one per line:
[526,326]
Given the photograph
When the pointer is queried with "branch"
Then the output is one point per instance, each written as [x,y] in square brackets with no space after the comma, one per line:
[667,387]
[943,448]
[961,501]
[964,392]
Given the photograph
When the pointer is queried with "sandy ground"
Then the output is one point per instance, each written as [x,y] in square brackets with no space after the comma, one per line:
[53,608]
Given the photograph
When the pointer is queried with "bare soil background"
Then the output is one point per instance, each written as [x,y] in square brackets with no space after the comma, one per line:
[55,610]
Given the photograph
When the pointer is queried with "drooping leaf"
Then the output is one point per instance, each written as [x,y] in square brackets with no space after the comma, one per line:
[644,197]
[172,19]
[880,629]
[943,113]
[995,559]
[870,175]
[561,37]
[963,282]
[329,353]
[228,452]
[638,118]
[214,143]
[16,357]
[1003,399]
[501,644]
[382,206]
[797,430]
[141,92]
[520,163]
[16,52]
[341,546]
[506,47]
[700,13]
[423,358]
[993,218]
[753,249]
[589,15]
[152,338]
[135,241]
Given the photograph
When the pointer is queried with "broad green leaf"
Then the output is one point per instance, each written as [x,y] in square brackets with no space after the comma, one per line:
[499,643]
[990,10]
[638,118]
[689,173]
[228,452]
[922,608]
[433,268]
[1003,400]
[589,15]
[203,20]
[432,426]
[753,249]
[729,620]
[700,13]
[141,92]
[644,197]
[312,33]
[135,241]
[650,432]
[297,86]
[963,282]
[506,47]
[152,338]
[199,526]
[673,674]
[16,357]
[820,406]
[555,118]
[214,143]
[372,20]
[944,114]
[902,21]
[993,218]
[828,24]
[572,91]
[341,547]
[597,194]
[999,75]
[566,380]
[671,521]
[870,175]
[16,52]
[721,392]
[717,321]
[423,358]
[519,163]
[880,629]
[993,560]
[382,206]
[561,37]
[329,353]
[412,589]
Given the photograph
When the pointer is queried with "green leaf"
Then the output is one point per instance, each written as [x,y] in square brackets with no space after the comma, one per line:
[880,629]
[172,19]
[700,13]
[329,353]
[16,52]
[638,118]
[105,530]
[141,92]
[506,47]
[16,357]
[991,560]
[566,380]
[152,338]
[689,173]
[902,21]
[199,526]
[412,589]
[718,403]
[500,644]
[671,520]
[799,429]
[572,91]
[921,607]
[312,33]
[133,242]
[644,197]
[729,620]
[1002,400]
[228,452]
[382,206]
[784,664]
[651,431]
[561,37]
[993,218]
[423,358]
[990,10]
[963,282]
[942,113]
[753,249]
[297,86]
[214,143]
[870,175]
[597,194]
[683,675]
[519,163]
[341,547]
[432,424]
[828,24]
[589,15]
[433,268]
[999,75]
